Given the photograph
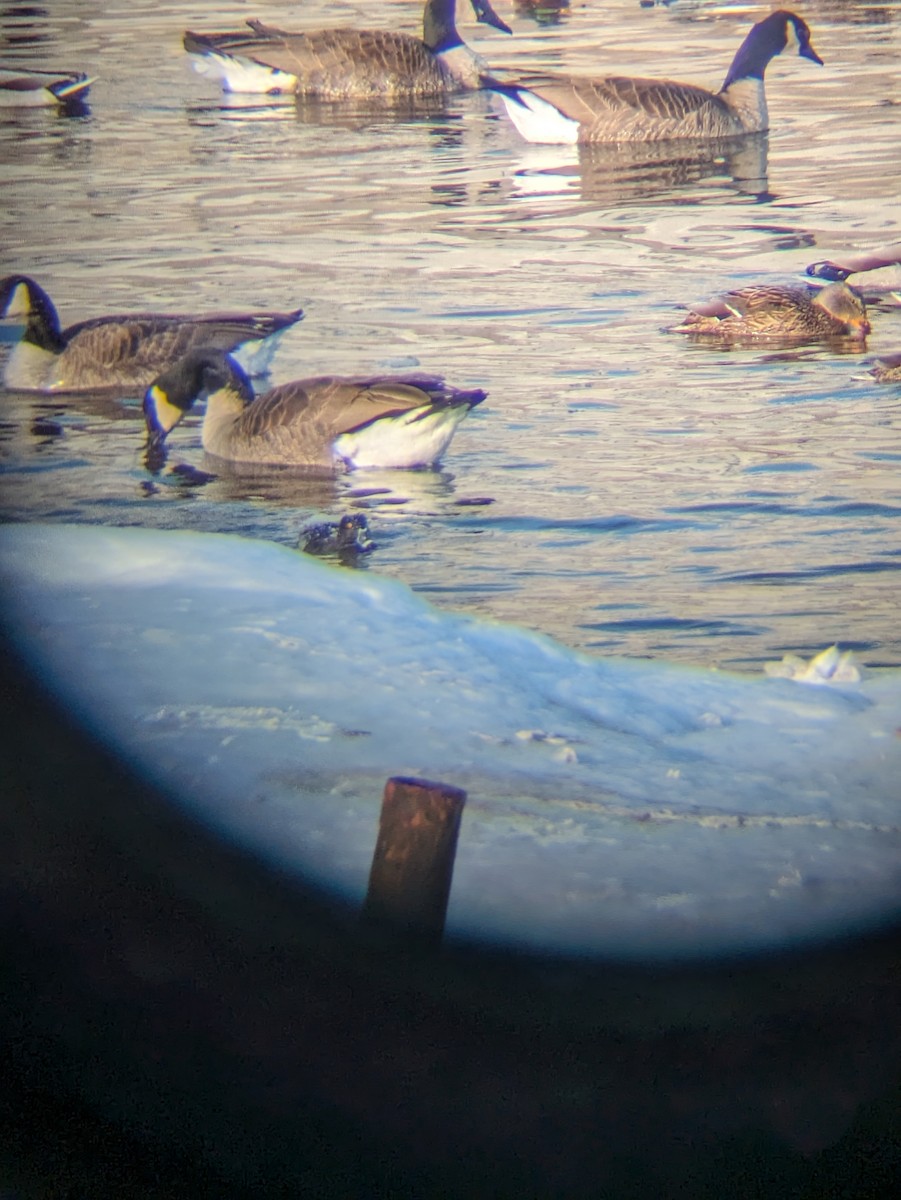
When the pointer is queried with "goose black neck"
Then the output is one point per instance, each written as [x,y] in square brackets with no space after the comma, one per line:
[42,328]
[439,26]
[764,42]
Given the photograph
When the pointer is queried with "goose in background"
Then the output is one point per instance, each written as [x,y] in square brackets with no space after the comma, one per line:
[568,109]
[331,421]
[21,87]
[877,270]
[336,64]
[121,351]
[780,312]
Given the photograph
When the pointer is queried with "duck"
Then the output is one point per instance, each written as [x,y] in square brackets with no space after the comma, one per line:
[887,369]
[560,109]
[331,421]
[20,86]
[336,64]
[345,541]
[780,312]
[121,351]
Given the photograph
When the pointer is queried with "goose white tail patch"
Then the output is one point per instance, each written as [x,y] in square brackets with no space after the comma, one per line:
[407,440]
[539,121]
[31,369]
[256,357]
[243,75]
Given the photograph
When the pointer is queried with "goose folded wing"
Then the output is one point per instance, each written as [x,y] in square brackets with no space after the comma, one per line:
[326,406]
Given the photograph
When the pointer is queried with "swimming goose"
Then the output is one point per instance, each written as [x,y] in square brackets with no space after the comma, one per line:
[878,269]
[20,86]
[330,421]
[339,63]
[780,312]
[561,109]
[120,351]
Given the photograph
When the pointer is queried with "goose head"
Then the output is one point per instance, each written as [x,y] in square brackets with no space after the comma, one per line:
[203,372]
[23,300]
[439,28]
[781,30]
[486,15]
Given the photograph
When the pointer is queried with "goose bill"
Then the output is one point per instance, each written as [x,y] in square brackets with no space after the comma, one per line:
[160,415]
[487,16]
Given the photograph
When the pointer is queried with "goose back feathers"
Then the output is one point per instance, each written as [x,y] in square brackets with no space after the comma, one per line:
[558,109]
[780,313]
[328,421]
[121,351]
[341,63]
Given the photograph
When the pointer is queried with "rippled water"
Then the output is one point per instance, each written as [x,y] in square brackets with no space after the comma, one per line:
[621,489]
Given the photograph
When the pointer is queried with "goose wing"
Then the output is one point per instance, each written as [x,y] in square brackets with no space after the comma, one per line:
[592,101]
[325,59]
[324,407]
[140,346]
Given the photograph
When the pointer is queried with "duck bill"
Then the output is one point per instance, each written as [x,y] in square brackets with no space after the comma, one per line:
[859,329]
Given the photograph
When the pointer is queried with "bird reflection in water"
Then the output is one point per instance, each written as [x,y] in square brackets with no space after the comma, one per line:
[635,172]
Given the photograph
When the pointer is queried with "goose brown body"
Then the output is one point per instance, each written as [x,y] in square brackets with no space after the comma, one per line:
[125,351]
[780,313]
[324,421]
[340,63]
[615,108]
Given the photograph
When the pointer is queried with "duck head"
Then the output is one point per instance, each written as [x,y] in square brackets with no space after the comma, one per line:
[844,304]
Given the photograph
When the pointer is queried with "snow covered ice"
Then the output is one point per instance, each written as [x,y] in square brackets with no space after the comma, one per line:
[614,806]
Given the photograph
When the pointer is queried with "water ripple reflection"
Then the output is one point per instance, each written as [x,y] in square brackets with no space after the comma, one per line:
[620,489]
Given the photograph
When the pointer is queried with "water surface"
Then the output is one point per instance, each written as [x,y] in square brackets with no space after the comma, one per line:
[622,489]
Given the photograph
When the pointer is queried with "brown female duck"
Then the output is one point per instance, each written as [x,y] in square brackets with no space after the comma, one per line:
[887,369]
[781,313]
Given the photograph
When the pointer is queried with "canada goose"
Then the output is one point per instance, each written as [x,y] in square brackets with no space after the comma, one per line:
[879,268]
[887,369]
[20,86]
[339,63]
[330,421]
[780,312]
[120,351]
[561,109]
